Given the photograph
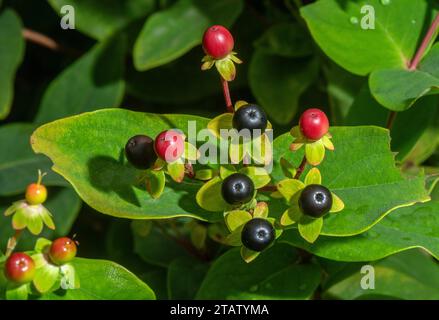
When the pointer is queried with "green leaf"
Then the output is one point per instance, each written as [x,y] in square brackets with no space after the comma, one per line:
[156,248]
[259,176]
[170,33]
[399,89]
[184,278]
[17,292]
[310,228]
[155,183]
[176,171]
[87,150]
[97,277]
[278,83]
[362,164]
[101,19]
[285,39]
[11,56]
[101,85]
[273,275]
[402,229]
[19,166]
[410,275]
[209,196]
[64,205]
[393,42]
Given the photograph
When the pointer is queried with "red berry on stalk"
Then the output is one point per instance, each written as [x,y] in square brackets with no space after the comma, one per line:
[36,193]
[218,42]
[169,145]
[62,250]
[314,124]
[20,268]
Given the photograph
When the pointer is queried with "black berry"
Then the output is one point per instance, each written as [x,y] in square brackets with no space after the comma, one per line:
[237,189]
[257,234]
[250,117]
[315,200]
[139,151]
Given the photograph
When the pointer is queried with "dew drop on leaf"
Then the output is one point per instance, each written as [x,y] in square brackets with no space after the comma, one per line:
[354,20]
[385,2]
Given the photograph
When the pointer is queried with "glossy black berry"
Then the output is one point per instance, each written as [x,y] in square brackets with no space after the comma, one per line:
[139,151]
[257,234]
[237,189]
[250,117]
[315,200]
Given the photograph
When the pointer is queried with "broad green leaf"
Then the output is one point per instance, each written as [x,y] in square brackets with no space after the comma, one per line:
[285,39]
[157,248]
[101,19]
[88,151]
[93,81]
[170,33]
[337,27]
[64,205]
[11,56]
[278,83]
[184,278]
[362,172]
[103,280]
[410,275]
[399,89]
[273,275]
[408,128]
[19,165]
[402,229]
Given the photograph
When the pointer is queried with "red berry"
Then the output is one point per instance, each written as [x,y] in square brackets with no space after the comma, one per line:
[36,194]
[20,268]
[217,42]
[314,124]
[62,250]
[169,145]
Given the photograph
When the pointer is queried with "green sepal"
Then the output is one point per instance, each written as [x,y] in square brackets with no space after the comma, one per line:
[262,151]
[239,104]
[248,255]
[176,171]
[289,187]
[234,238]
[205,174]
[13,208]
[47,277]
[46,216]
[337,204]
[41,245]
[17,292]
[278,231]
[209,196]
[155,182]
[198,236]
[19,219]
[259,176]
[313,177]
[327,142]
[291,216]
[191,153]
[315,152]
[261,210]
[226,171]
[223,121]
[237,151]
[236,218]
[207,62]
[35,224]
[310,228]
[69,277]
[287,168]
[226,68]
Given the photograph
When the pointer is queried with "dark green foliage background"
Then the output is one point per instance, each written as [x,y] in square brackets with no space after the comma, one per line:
[115,58]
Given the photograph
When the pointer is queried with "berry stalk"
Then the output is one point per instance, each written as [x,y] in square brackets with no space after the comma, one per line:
[227,98]
[301,168]
[12,242]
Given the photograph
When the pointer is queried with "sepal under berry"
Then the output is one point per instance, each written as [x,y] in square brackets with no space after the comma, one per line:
[155,183]
[225,66]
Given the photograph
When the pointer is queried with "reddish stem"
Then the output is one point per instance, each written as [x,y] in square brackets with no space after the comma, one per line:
[391,119]
[269,188]
[226,92]
[301,168]
[44,41]
[425,42]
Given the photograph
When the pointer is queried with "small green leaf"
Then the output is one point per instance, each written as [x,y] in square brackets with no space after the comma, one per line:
[248,255]
[237,218]
[313,177]
[259,176]
[176,171]
[209,196]
[315,152]
[155,183]
[310,228]
[289,187]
